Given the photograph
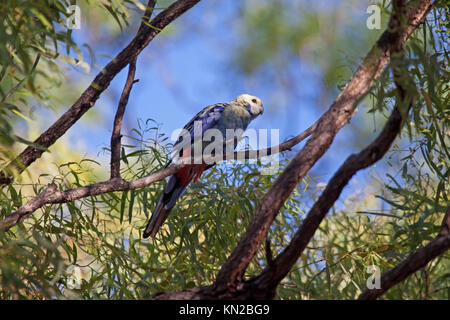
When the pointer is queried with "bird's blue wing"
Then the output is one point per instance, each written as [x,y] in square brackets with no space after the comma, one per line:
[209,117]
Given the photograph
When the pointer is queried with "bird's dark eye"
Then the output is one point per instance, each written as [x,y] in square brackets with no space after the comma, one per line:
[254,100]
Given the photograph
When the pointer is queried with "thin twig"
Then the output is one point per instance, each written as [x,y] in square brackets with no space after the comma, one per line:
[117,126]
[147,14]
[284,146]
[116,136]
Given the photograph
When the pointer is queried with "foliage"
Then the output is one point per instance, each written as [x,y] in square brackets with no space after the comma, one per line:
[92,248]
[99,238]
[36,49]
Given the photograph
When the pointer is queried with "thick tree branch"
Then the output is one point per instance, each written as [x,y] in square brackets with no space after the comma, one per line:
[329,125]
[100,83]
[229,284]
[371,154]
[368,156]
[414,262]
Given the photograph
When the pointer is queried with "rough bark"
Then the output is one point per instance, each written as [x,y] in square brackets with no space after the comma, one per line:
[328,126]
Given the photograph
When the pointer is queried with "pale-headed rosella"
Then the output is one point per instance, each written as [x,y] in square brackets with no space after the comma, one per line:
[235,115]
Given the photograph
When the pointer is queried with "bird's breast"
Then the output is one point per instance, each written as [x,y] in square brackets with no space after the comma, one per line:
[234,117]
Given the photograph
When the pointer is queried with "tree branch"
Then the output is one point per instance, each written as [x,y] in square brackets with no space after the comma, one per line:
[148,13]
[229,282]
[330,123]
[116,136]
[414,262]
[368,156]
[100,83]
[51,196]
[264,285]
[284,146]
[117,184]
[31,206]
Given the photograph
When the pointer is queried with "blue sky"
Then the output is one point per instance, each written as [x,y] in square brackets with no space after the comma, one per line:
[180,75]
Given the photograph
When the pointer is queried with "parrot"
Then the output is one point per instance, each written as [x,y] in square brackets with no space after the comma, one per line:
[236,114]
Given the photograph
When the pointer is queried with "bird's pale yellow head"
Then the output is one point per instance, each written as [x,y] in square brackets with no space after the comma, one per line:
[253,104]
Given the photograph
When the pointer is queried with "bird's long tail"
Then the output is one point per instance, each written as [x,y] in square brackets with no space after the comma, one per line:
[174,189]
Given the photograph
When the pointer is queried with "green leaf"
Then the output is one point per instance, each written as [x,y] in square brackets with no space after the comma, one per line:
[123,201]
[130,208]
